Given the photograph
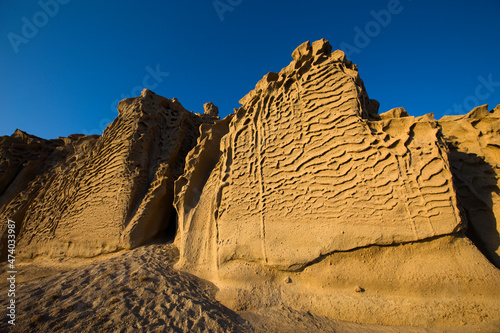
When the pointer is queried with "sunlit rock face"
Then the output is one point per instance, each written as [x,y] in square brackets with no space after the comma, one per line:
[305,198]
[89,195]
[306,167]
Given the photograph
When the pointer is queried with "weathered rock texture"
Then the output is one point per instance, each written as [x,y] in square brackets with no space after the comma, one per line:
[307,197]
[210,109]
[85,196]
[25,161]
[474,141]
[303,173]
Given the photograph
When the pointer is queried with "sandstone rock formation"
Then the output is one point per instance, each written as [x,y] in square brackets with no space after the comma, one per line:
[210,109]
[302,173]
[474,141]
[307,197]
[25,161]
[85,196]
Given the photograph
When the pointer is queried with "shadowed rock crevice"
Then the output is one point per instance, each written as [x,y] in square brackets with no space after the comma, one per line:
[171,231]
[301,268]
[474,141]
[475,196]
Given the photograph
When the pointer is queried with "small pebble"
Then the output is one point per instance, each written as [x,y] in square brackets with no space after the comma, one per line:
[358,289]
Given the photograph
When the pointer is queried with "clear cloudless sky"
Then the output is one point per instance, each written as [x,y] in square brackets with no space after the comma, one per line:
[62,70]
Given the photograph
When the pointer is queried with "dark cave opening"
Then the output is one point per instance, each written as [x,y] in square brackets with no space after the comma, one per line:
[171,231]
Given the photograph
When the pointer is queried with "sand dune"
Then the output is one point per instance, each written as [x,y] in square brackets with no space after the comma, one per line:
[132,291]
[139,290]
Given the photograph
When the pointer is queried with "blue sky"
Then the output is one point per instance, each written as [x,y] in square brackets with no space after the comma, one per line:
[64,67]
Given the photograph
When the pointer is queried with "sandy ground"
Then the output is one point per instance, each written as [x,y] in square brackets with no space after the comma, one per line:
[139,290]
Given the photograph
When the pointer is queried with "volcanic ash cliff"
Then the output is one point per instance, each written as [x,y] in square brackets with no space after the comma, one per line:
[306,197]
[306,194]
[84,196]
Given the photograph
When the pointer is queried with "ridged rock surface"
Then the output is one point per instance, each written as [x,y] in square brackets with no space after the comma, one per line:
[474,141]
[92,195]
[307,168]
[305,199]
[25,161]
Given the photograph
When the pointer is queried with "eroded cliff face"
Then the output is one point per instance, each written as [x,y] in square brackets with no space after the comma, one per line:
[305,197]
[303,172]
[25,161]
[91,195]
[474,141]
